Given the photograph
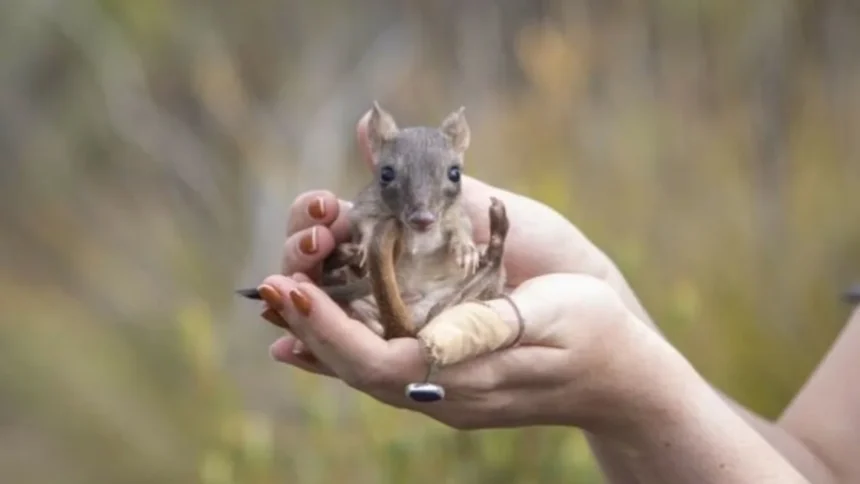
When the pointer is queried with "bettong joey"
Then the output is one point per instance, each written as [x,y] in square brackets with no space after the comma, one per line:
[412,254]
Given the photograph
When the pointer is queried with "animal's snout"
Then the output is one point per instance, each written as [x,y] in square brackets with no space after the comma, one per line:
[422,220]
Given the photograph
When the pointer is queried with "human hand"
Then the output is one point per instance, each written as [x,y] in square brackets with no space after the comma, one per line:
[573,317]
[579,362]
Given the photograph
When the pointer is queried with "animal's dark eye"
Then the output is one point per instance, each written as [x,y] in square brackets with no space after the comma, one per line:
[454,173]
[386,174]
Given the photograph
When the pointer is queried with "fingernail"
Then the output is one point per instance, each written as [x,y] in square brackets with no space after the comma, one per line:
[301,302]
[308,243]
[316,209]
[271,296]
[276,319]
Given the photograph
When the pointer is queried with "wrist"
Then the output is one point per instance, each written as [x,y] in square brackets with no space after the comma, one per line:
[669,424]
[642,380]
[613,276]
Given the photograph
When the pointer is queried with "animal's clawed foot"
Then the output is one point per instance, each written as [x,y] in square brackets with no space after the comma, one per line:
[361,251]
[349,254]
[344,254]
[499,223]
[342,264]
[467,255]
[499,226]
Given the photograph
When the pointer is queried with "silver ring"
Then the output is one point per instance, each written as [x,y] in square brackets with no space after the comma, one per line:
[426,392]
[521,322]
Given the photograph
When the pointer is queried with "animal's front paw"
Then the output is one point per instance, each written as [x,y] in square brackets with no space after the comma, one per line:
[467,255]
[344,254]
[361,251]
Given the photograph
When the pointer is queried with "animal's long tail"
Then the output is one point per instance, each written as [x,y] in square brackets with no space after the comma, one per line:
[384,252]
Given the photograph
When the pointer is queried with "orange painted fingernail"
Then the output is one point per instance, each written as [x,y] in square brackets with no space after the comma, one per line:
[301,302]
[308,243]
[316,209]
[276,319]
[271,296]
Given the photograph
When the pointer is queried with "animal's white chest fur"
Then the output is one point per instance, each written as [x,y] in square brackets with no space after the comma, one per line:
[426,270]
[422,244]
[426,264]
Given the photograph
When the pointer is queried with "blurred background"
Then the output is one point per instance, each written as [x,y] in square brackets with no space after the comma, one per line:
[150,150]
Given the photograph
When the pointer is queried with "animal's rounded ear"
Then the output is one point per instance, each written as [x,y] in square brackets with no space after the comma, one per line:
[363,141]
[457,129]
[381,127]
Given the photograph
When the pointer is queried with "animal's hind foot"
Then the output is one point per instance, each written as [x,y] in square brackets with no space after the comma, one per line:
[499,225]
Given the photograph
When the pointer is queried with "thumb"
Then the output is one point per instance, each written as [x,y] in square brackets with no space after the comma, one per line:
[540,312]
[468,330]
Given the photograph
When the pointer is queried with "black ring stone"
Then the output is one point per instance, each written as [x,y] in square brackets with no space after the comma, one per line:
[425,392]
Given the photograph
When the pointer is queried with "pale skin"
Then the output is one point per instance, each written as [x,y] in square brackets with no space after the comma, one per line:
[590,358]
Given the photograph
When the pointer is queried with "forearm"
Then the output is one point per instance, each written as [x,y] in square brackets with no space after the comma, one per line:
[620,467]
[581,256]
[679,430]
[617,465]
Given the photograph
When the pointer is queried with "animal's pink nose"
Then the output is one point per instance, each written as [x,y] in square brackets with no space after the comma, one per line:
[422,220]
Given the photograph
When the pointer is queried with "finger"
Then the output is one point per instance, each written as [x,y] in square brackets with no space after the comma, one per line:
[305,250]
[345,345]
[289,350]
[315,207]
[296,346]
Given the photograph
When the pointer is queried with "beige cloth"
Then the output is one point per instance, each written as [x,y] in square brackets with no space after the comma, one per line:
[464,332]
